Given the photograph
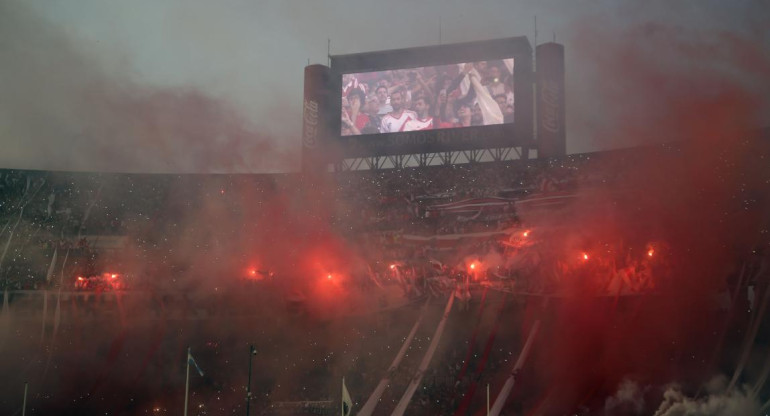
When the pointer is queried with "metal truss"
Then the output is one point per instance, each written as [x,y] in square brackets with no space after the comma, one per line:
[459,157]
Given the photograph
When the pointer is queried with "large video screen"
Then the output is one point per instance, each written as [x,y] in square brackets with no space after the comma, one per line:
[428,98]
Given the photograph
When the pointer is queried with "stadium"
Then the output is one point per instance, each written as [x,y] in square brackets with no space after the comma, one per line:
[438,253]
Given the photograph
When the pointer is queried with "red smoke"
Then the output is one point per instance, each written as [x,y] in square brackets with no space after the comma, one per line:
[705,196]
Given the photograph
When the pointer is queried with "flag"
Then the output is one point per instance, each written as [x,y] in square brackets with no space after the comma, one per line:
[490,111]
[509,65]
[191,360]
[347,402]
[49,275]
[51,199]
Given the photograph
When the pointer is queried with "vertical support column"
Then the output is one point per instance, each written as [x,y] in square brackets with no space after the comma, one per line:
[316,119]
[551,126]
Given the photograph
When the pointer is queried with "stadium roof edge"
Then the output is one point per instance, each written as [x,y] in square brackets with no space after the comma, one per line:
[519,39]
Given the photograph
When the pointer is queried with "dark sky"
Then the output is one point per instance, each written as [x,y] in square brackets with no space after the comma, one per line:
[195,86]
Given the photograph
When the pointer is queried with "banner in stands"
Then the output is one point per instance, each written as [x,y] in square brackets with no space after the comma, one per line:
[470,206]
[451,241]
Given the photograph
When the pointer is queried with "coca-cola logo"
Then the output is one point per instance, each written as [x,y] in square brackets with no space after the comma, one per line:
[549,106]
[310,123]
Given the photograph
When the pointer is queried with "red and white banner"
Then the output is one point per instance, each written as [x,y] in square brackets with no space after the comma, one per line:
[469,206]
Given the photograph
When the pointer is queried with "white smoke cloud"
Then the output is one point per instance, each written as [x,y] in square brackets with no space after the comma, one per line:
[628,400]
[718,402]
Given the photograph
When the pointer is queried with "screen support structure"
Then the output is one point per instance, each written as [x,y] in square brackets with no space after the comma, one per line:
[500,154]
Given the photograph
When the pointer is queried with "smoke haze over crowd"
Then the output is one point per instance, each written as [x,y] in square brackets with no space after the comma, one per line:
[311,267]
[91,86]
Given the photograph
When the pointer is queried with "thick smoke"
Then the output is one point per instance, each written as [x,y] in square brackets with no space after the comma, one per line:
[702,198]
[659,82]
[195,250]
[212,231]
[224,261]
[718,402]
[715,400]
[629,400]
[68,110]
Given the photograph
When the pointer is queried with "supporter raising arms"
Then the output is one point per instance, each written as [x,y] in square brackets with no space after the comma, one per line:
[353,116]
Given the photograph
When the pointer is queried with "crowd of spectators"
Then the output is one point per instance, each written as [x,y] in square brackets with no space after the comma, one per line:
[456,95]
[41,212]
[398,199]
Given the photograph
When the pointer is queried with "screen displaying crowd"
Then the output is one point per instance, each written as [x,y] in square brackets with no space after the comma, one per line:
[426,98]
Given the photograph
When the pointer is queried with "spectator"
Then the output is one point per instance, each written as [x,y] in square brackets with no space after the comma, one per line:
[384,100]
[464,115]
[423,121]
[476,118]
[494,82]
[507,110]
[372,109]
[396,119]
[353,117]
